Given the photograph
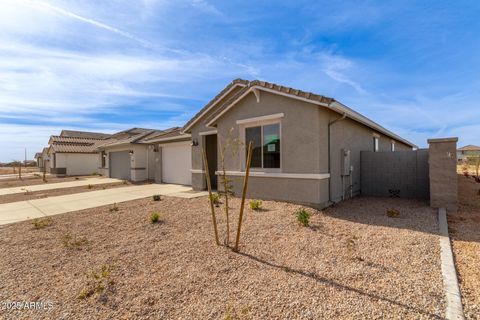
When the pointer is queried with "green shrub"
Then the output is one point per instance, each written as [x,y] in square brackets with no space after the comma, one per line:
[99,283]
[157,197]
[255,204]
[303,217]
[215,198]
[154,217]
[114,208]
[393,213]
[72,242]
[42,223]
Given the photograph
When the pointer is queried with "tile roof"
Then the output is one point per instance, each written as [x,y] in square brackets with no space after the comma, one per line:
[134,135]
[470,147]
[66,144]
[232,84]
[84,134]
[170,134]
[270,86]
[38,155]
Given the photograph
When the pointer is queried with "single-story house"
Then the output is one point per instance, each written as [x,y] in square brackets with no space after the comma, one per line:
[43,163]
[74,153]
[140,154]
[467,151]
[306,147]
[126,155]
[39,161]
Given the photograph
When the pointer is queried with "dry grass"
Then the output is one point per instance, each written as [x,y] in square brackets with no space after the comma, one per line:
[351,262]
[9,170]
[464,228]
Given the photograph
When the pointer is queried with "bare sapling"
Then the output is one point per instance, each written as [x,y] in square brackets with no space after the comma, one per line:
[210,198]
[244,194]
[229,146]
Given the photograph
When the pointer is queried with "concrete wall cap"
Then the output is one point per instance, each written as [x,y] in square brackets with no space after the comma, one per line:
[439,140]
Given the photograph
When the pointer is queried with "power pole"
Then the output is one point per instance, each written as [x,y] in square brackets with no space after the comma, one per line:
[25,163]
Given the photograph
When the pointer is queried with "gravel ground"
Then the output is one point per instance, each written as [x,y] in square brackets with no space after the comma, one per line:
[352,262]
[464,229]
[58,192]
[30,181]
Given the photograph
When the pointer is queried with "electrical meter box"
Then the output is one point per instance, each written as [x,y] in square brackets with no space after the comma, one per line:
[345,162]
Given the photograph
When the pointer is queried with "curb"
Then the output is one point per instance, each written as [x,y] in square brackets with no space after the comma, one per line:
[449,274]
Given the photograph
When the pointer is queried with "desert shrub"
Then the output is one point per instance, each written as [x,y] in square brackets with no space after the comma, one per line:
[255,204]
[393,213]
[215,198]
[72,242]
[157,197]
[27,192]
[42,223]
[77,178]
[99,283]
[114,208]
[125,181]
[154,217]
[303,217]
[90,186]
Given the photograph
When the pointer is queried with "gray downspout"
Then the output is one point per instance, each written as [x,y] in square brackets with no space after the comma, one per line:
[329,156]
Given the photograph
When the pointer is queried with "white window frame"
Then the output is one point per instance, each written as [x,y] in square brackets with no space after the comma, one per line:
[392,146]
[243,153]
[376,144]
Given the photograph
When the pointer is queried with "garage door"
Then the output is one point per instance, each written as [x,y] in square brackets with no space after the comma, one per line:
[120,165]
[176,163]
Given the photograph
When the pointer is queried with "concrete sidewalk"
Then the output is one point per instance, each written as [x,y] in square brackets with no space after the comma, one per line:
[57,185]
[24,210]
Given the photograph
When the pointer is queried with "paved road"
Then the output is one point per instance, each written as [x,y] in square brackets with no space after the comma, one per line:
[57,185]
[25,210]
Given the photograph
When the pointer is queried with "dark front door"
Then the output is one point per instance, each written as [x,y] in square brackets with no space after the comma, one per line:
[211,150]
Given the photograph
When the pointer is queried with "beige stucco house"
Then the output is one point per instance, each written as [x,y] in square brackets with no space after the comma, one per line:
[306,146]
[467,151]
[140,154]
[73,153]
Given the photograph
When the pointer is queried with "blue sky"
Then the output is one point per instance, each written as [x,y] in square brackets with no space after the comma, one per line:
[412,66]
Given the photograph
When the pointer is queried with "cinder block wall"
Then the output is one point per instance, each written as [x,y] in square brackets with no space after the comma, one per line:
[442,161]
[399,173]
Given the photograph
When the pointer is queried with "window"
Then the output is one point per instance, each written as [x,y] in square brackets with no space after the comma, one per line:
[375,144]
[393,146]
[266,145]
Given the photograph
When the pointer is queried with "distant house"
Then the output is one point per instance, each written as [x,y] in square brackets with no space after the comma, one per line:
[469,150]
[139,154]
[73,153]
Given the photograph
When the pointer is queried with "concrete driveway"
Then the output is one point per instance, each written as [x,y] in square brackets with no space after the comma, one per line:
[25,210]
[57,185]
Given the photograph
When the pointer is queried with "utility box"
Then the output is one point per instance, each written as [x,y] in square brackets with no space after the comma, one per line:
[345,162]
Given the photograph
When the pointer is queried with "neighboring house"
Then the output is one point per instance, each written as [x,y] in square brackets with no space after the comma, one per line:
[173,156]
[128,155]
[74,153]
[39,160]
[467,151]
[306,146]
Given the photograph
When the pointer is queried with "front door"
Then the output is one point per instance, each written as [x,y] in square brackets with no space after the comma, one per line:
[211,150]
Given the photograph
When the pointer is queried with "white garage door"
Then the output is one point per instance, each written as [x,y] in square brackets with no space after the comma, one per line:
[176,163]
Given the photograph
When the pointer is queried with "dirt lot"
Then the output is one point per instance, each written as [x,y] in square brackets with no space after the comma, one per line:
[464,228]
[352,262]
[10,170]
[34,180]
[58,192]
